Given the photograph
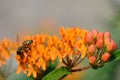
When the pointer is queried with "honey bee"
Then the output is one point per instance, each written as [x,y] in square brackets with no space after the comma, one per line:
[24,47]
[20,50]
[27,43]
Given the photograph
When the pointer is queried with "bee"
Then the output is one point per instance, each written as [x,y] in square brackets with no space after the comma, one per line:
[27,43]
[20,50]
[24,47]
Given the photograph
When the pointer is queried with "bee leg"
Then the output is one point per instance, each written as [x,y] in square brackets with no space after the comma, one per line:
[22,56]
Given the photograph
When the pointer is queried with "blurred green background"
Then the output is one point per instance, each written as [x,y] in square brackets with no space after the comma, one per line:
[36,16]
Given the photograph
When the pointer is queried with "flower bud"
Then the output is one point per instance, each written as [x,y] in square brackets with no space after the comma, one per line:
[99,43]
[100,35]
[107,35]
[89,37]
[106,57]
[91,48]
[92,60]
[114,45]
[107,41]
[111,46]
[95,32]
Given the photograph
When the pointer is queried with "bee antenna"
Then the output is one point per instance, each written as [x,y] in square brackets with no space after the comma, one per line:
[18,39]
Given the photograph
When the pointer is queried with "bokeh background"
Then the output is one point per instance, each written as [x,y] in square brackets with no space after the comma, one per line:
[36,16]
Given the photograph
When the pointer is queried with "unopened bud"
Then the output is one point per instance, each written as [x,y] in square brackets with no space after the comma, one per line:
[114,45]
[92,60]
[106,57]
[89,37]
[100,35]
[95,32]
[91,48]
[107,41]
[111,46]
[107,35]
[99,43]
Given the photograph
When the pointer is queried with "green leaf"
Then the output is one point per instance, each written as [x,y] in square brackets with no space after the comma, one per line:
[116,55]
[57,74]
[51,67]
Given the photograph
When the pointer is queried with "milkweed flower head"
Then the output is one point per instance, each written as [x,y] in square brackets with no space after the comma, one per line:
[100,47]
[7,48]
[72,45]
[45,48]
[40,52]
[73,40]
[71,48]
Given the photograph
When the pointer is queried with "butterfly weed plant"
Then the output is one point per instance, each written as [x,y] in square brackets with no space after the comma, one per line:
[38,53]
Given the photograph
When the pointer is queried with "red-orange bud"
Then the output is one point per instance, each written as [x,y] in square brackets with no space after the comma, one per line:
[92,48]
[107,41]
[89,38]
[111,46]
[100,35]
[95,32]
[99,43]
[106,57]
[114,45]
[107,35]
[92,60]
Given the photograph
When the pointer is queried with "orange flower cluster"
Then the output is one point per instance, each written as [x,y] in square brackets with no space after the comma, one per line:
[41,51]
[72,40]
[7,47]
[100,47]
[43,48]
[73,49]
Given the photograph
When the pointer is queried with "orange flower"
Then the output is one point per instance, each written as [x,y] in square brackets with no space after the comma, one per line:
[40,52]
[72,46]
[72,41]
[7,47]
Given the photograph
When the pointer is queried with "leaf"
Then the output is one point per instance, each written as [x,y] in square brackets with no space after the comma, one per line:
[57,74]
[116,55]
[51,67]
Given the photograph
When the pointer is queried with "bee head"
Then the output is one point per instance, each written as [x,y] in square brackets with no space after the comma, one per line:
[28,42]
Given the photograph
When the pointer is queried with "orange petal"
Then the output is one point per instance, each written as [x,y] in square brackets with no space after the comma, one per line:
[18,70]
[70,56]
[29,73]
[34,74]
[83,50]
[44,66]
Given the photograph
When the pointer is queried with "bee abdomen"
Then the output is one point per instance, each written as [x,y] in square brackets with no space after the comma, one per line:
[20,50]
